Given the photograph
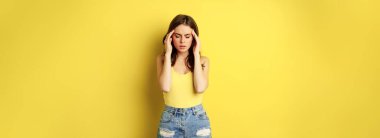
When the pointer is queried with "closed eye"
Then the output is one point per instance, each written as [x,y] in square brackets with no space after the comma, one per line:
[179,35]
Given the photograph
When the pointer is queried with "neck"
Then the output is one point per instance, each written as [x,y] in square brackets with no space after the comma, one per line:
[182,55]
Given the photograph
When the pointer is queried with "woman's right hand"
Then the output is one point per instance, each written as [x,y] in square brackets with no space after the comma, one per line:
[168,43]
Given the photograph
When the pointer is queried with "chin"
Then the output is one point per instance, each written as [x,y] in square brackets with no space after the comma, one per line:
[182,50]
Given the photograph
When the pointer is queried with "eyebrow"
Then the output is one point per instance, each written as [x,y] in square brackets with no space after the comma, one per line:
[180,34]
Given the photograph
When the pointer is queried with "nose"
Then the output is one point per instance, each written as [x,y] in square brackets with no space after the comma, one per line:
[182,40]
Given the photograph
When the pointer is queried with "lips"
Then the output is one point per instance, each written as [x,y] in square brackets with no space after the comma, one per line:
[182,46]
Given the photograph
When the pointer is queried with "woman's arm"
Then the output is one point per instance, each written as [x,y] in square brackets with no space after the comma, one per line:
[164,64]
[201,69]
[164,71]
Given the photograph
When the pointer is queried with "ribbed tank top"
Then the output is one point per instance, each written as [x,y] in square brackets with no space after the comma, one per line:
[182,93]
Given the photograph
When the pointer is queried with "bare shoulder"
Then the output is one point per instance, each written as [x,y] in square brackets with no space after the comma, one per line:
[159,58]
[205,61]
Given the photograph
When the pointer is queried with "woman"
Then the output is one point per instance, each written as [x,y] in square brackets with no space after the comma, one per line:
[183,77]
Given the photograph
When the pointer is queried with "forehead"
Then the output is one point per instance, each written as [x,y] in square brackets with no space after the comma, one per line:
[183,29]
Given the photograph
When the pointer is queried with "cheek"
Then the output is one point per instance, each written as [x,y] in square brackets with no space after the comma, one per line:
[176,40]
[190,39]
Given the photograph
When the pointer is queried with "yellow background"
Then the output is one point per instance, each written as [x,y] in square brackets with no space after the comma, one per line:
[278,69]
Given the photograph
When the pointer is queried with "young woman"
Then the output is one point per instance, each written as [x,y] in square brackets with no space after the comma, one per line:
[183,77]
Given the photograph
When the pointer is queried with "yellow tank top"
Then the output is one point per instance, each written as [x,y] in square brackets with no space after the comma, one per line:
[182,93]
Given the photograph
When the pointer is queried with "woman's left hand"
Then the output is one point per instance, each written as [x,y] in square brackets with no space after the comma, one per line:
[197,46]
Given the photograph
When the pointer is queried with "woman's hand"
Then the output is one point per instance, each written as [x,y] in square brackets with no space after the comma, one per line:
[168,43]
[197,46]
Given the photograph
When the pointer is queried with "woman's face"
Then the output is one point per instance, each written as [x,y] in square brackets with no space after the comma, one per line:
[182,38]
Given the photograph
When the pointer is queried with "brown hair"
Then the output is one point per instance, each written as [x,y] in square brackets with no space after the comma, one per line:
[189,21]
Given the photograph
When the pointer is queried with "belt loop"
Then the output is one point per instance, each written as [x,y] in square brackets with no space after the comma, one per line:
[193,110]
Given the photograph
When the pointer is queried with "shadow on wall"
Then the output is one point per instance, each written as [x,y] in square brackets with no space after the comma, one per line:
[152,91]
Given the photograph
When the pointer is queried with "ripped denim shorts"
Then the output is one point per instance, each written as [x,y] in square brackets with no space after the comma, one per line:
[191,122]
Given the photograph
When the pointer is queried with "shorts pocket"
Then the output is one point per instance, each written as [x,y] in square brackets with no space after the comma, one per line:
[202,115]
[166,117]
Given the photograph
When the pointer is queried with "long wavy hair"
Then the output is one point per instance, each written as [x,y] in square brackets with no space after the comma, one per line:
[189,21]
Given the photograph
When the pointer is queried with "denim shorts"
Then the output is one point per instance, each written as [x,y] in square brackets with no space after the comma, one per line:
[191,122]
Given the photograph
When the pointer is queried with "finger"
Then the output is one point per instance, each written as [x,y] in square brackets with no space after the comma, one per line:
[166,38]
[169,35]
[195,35]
